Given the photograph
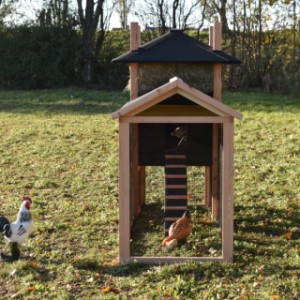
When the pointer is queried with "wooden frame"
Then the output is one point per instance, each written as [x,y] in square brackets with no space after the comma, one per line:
[227,188]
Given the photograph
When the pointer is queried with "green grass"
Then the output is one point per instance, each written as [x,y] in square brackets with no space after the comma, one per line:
[61,146]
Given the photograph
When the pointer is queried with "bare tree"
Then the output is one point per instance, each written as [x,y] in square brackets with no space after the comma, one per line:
[90,18]
[164,14]
[123,8]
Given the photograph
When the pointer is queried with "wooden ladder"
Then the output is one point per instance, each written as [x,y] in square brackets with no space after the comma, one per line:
[175,188]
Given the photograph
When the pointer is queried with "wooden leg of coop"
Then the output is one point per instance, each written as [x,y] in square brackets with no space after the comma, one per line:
[208,186]
[215,173]
[136,177]
[142,179]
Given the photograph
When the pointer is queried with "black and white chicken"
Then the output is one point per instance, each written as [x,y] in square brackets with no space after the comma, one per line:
[16,232]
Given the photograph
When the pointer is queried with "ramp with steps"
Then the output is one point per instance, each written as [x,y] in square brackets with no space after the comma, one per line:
[175,188]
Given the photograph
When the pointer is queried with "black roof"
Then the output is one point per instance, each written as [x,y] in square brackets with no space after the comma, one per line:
[174,47]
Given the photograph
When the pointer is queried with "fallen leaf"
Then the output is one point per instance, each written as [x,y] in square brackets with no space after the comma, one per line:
[288,235]
[275,297]
[31,288]
[256,284]
[106,290]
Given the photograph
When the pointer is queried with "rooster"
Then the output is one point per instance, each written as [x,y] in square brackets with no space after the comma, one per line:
[16,232]
[179,230]
[181,133]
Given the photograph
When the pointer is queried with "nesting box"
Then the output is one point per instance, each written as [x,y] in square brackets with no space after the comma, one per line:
[175,125]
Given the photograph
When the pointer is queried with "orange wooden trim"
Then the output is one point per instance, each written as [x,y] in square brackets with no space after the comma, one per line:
[177,197]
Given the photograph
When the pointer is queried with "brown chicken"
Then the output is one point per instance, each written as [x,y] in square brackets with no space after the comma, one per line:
[179,230]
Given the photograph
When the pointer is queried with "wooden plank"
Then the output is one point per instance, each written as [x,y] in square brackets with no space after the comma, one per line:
[134,36]
[175,208]
[175,166]
[207,186]
[227,185]
[136,175]
[134,87]
[177,120]
[176,176]
[178,156]
[217,45]
[176,110]
[134,45]
[124,192]
[215,173]
[176,186]
[168,260]
[142,180]
[176,197]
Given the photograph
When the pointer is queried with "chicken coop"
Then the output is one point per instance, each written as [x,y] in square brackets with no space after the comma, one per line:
[177,123]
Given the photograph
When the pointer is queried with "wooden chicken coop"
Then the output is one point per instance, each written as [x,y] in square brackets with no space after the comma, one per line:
[175,120]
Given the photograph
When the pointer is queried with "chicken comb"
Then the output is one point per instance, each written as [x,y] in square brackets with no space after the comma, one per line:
[26,198]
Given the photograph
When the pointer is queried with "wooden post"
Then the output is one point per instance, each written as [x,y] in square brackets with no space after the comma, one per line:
[134,45]
[227,185]
[208,169]
[217,45]
[124,192]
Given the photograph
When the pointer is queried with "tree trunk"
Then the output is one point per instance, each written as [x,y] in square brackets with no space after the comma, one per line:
[89,21]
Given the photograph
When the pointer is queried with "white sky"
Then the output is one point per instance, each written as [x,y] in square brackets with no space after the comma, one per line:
[26,10]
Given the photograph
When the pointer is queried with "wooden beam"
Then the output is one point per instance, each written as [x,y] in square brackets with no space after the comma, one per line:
[207,176]
[124,192]
[217,45]
[215,173]
[168,260]
[227,192]
[161,119]
[134,45]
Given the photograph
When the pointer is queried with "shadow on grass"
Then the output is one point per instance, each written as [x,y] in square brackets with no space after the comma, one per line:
[65,101]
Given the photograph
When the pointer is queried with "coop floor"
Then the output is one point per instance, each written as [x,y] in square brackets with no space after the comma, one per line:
[147,234]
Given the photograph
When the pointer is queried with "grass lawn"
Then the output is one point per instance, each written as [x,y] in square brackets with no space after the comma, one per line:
[61,147]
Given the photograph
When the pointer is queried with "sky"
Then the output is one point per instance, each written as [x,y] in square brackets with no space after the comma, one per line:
[26,9]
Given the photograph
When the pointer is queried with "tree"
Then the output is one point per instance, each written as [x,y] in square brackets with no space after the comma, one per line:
[56,13]
[89,18]
[165,14]
[123,8]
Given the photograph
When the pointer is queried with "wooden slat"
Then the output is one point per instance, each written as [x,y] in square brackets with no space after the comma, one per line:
[124,193]
[175,208]
[176,176]
[175,156]
[177,197]
[175,166]
[163,120]
[227,192]
[171,219]
[176,186]
[168,259]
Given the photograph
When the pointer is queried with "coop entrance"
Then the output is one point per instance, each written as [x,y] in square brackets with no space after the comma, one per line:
[174,181]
